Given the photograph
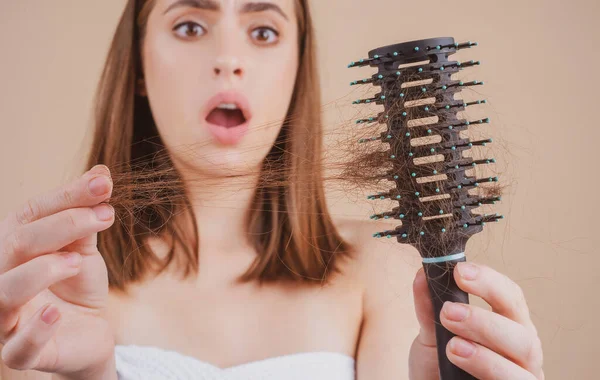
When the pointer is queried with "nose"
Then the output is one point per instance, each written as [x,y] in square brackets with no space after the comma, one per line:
[228,66]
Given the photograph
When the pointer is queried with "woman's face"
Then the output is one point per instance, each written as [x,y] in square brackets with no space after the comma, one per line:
[219,75]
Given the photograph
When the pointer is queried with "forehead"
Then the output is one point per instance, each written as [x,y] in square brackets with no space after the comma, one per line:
[286,5]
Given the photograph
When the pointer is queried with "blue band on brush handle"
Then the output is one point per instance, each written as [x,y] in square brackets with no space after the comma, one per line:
[442,259]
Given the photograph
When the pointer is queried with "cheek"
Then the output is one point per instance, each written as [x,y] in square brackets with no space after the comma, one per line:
[273,90]
[172,77]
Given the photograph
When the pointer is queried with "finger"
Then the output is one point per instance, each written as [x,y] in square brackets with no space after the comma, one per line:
[482,362]
[23,350]
[494,331]
[424,309]
[89,189]
[504,295]
[54,232]
[21,284]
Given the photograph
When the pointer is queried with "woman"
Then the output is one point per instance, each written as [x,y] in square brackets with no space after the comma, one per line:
[247,276]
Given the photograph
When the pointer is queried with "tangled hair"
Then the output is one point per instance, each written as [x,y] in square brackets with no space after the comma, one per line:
[287,224]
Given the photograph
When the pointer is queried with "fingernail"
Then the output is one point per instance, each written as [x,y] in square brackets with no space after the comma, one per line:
[455,311]
[50,315]
[104,212]
[100,168]
[73,259]
[467,271]
[99,185]
[462,347]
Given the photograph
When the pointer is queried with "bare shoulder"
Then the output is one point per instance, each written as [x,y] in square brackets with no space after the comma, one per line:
[381,265]
[386,270]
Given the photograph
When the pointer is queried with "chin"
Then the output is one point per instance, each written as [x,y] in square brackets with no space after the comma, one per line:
[214,160]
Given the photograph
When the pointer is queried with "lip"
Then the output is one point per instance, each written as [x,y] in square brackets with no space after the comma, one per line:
[228,136]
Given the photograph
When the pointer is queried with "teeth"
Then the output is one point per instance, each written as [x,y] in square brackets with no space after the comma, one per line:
[228,106]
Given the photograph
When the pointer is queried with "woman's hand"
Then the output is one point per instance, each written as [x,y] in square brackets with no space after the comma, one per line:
[498,344]
[53,280]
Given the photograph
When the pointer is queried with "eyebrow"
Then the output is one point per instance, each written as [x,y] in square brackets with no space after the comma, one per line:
[212,5]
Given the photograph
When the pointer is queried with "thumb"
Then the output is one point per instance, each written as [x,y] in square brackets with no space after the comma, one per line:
[424,309]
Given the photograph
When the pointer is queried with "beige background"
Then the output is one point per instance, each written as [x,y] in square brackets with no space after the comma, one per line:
[540,67]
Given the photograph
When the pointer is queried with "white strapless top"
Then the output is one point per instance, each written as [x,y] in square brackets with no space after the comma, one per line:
[153,363]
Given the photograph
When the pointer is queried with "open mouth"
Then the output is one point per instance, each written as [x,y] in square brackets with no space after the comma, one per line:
[227,115]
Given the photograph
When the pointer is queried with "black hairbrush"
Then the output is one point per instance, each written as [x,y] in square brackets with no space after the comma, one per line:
[427,165]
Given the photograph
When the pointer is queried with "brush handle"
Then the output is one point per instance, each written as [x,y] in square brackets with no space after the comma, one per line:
[442,288]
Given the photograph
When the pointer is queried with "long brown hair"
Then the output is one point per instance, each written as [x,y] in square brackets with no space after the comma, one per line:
[288,223]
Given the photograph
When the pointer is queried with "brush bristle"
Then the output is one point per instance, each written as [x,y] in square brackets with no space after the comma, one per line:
[435,213]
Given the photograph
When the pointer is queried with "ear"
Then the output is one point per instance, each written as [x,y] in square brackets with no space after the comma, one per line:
[140,87]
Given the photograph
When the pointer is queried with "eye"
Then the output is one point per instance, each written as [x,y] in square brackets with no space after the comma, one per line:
[189,29]
[265,35]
